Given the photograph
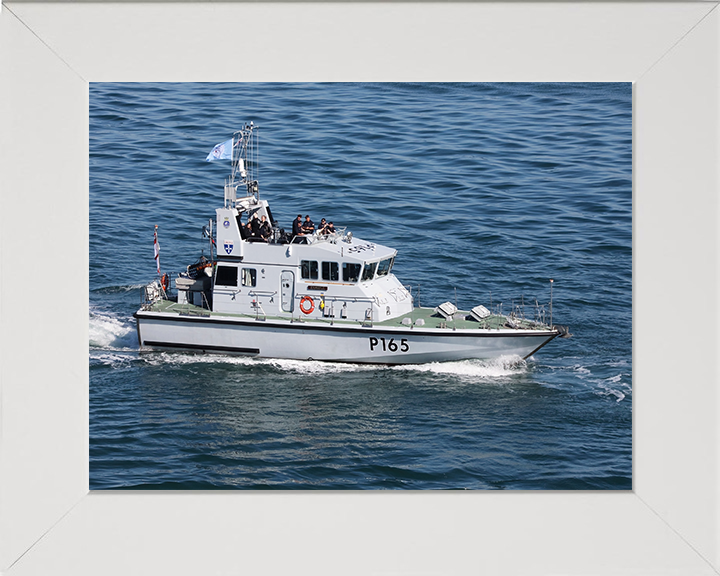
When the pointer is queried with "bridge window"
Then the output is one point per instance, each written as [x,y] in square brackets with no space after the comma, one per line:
[369,271]
[249,277]
[384,266]
[330,271]
[309,269]
[351,272]
[226,276]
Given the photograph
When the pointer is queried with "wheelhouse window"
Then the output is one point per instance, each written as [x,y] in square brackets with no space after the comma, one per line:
[351,272]
[226,276]
[369,271]
[309,269]
[330,271]
[384,266]
[249,277]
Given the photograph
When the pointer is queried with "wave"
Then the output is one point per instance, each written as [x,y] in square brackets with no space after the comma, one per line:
[500,367]
[466,369]
[113,358]
[308,367]
[118,289]
[613,387]
[108,330]
[594,379]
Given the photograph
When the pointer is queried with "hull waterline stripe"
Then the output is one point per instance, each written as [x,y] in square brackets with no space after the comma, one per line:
[359,330]
[203,347]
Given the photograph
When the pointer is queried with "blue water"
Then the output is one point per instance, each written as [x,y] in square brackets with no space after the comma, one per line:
[487,191]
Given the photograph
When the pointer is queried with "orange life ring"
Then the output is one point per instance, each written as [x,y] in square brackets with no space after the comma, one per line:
[165,282]
[305,299]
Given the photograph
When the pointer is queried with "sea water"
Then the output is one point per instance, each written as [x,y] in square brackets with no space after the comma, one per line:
[487,191]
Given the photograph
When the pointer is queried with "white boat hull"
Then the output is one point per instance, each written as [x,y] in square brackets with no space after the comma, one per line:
[334,343]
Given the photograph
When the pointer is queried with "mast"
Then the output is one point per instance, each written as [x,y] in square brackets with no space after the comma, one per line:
[244,176]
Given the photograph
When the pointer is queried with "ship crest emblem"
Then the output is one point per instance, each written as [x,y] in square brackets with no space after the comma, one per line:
[228,246]
[226,223]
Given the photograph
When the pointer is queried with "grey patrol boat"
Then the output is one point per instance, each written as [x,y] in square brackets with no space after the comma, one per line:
[325,295]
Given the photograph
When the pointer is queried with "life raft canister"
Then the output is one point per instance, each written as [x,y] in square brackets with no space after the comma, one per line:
[303,301]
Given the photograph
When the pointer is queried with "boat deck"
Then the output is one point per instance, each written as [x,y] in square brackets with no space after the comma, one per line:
[461,320]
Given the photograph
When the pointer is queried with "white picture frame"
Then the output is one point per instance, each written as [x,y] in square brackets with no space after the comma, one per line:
[49,523]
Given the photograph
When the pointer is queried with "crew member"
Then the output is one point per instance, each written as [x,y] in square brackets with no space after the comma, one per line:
[298,226]
[244,231]
[308,226]
[255,226]
[265,231]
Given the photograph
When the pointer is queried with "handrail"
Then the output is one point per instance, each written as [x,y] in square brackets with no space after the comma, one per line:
[339,233]
[316,237]
[261,293]
[372,299]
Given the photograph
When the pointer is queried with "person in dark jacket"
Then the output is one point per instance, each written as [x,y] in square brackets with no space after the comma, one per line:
[308,226]
[297,226]
[255,226]
[245,232]
[264,230]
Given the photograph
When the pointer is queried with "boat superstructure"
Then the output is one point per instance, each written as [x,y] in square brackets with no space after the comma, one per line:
[312,294]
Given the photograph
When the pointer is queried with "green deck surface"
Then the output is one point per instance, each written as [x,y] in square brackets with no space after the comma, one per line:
[431,319]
